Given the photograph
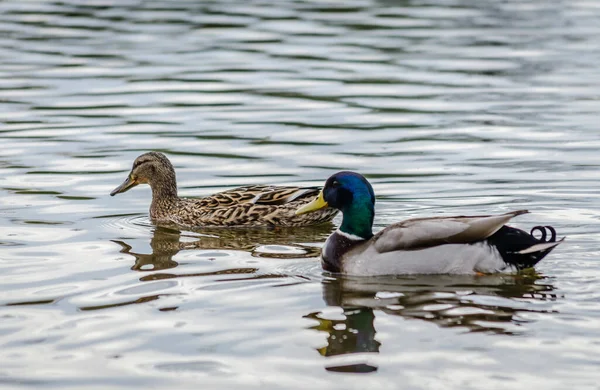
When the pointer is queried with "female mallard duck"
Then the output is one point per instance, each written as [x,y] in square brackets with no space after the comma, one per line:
[438,245]
[256,205]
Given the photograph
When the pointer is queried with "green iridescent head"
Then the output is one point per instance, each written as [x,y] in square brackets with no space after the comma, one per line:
[353,195]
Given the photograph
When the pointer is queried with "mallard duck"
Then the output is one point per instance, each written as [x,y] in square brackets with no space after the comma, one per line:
[438,245]
[250,206]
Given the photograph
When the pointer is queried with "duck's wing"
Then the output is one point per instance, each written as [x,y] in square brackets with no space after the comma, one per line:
[428,232]
[276,196]
[259,195]
[254,206]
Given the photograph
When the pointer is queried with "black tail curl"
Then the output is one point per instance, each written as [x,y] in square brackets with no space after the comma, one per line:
[543,229]
[512,242]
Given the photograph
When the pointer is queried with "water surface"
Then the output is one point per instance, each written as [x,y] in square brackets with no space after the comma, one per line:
[448,107]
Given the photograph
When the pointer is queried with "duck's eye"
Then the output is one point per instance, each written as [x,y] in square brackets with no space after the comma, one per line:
[335,184]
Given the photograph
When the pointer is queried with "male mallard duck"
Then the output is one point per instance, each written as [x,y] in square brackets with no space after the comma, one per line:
[252,206]
[438,245]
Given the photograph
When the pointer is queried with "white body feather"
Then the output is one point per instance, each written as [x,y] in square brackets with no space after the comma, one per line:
[442,259]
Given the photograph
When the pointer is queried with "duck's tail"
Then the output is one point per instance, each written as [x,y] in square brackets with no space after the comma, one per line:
[522,249]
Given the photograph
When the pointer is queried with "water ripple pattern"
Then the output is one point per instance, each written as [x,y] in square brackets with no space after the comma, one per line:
[448,106]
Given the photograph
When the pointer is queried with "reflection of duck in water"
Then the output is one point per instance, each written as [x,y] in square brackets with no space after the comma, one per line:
[166,243]
[354,334]
[250,206]
[486,303]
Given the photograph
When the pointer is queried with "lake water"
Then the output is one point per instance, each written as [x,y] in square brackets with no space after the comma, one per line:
[448,106]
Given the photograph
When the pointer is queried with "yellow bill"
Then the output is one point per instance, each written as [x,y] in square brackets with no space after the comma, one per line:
[316,204]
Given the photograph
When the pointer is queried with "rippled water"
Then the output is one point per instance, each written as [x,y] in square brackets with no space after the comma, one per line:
[448,106]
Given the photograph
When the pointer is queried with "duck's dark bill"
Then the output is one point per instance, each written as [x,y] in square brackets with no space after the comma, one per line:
[127,185]
[316,204]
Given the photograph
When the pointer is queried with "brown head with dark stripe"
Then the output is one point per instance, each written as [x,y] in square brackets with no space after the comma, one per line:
[151,168]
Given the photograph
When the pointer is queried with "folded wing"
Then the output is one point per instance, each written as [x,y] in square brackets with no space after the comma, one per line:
[259,195]
[428,232]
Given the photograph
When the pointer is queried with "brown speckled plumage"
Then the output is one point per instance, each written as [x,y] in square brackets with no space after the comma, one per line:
[250,206]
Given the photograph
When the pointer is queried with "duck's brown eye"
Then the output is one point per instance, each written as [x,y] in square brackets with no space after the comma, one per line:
[335,184]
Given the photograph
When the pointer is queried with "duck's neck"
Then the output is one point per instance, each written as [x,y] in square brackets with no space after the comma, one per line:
[164,195]
[358,219]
